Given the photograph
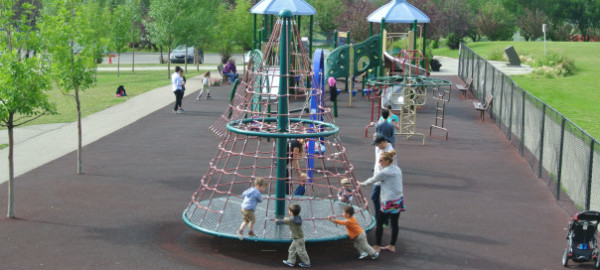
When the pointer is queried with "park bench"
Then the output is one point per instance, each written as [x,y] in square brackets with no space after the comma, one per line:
[464,87]
[482,107]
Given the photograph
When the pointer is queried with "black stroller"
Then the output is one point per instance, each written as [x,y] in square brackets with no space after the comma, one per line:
[581,237]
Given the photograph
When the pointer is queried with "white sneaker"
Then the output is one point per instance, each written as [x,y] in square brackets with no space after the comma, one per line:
[240,234]
[363,255]
[375,255]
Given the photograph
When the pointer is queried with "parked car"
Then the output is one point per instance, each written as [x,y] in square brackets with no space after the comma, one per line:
[178,55]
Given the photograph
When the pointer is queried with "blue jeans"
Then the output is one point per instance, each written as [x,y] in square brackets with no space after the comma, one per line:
[232,76]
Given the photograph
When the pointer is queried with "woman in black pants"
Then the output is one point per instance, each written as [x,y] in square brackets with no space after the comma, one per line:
[392,198]
[177,84]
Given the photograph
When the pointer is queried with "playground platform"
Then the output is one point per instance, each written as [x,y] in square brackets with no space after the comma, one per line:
[472,201]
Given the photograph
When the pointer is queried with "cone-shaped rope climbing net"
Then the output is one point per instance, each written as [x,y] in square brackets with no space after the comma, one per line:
[279,103]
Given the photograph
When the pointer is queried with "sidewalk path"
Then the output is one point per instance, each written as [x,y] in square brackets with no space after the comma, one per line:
[38,145]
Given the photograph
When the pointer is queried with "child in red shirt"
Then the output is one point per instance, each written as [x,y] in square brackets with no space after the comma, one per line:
[357,233]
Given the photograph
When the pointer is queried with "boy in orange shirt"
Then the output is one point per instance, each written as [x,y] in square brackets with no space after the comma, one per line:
[357,233]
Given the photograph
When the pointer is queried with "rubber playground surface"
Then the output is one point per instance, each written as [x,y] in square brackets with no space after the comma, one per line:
[472,201]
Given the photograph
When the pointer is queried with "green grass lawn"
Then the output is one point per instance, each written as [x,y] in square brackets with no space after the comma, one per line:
[575,96]
[102,94]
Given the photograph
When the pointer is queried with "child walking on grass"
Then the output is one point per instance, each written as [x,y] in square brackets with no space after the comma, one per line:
[205,85]
[252,196]
[357,233]
[297,248]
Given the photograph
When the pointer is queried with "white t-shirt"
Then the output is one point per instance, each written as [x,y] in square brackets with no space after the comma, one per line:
[377,153]
[176,81]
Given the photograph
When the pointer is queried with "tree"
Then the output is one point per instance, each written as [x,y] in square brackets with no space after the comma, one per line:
[584,13]
[456,17]
[328,11]
[201,30]
[495,22]
[163,23]
[531,24]
[359,29]
[124,30]
[23,82]
[66,26]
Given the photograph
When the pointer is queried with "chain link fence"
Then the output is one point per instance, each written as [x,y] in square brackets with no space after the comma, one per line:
[555,148]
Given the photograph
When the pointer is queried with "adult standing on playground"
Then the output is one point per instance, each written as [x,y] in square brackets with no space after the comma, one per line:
[381,145]
[385,128]
[230,71]
[393,118]
[392,198]
[177,87]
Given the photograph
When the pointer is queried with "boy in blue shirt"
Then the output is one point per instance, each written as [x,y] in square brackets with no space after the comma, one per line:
[252,196]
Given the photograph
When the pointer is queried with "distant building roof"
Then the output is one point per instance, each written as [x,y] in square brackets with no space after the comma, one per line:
[398,11]
[273,7]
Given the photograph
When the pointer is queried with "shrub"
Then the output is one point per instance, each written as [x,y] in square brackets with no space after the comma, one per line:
[554,66]
[453,41]
[561,32]
[495,22]
[530,24]
[497,55]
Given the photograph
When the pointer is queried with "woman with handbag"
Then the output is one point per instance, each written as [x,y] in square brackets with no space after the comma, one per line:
[392,198]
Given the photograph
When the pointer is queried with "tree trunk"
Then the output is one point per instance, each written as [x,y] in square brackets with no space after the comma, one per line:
[11,169]
[132,59]
[118,64]
[184,59]
[79,137]
[169,62]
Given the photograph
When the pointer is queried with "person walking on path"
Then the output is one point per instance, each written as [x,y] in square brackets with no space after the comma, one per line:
[205,86]
[392,198]
[177,87]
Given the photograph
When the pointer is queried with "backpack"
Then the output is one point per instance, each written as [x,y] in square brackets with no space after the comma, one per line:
[121,91]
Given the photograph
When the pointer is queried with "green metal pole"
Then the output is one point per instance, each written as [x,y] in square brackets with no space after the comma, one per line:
[254,32]
[424,44]
[335,37]
[382,48]
[282,119]
[414,28]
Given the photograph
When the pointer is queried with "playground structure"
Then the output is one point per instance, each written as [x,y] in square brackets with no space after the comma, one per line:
[271,106]
[365,59]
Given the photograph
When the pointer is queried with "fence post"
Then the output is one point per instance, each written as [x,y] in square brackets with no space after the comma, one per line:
[478,81]
[472,64]
[522,146]
[493,93]
[501,97]
[484,77]
[510,114]
[460,55]
[560,157]
[588,195]
[541,164]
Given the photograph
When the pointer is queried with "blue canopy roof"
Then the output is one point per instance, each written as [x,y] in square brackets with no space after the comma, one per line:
[398,11]
[273,7]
